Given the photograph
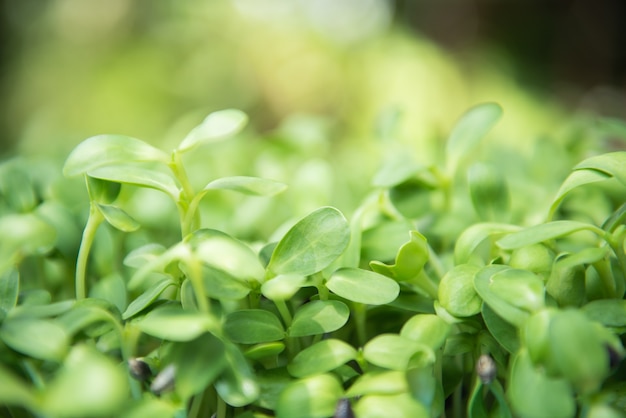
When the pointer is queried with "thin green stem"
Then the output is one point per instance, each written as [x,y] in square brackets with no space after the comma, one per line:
[195,275]
[283,309]
[221,408]
[360,320]
[89,233]
[189,220]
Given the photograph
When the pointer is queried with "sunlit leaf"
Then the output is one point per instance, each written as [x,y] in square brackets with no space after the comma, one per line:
[215,127]
[470,129]
[311,397]
[118,218]
[88,385]
[38,338]
[283,286]
[110,150]
[470,240]
[456,291]
[396,352]
[397,406]
[543,232]
[318,317]
[363,286]
[22,235]
[533,394]
[137,175]
[311,244]
[321,357]
[576,179]
[430,330]
[610,163]
[379,383]
[410,260]
[175,324]
[237,386]
[253,186]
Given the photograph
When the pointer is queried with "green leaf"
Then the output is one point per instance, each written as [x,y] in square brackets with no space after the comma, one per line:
[318,317]
[520,288]
[396,170]
[608,312]
[471,239]
[311,397]
[172,323]
[533,394]
[150,407]
[223,252]
[253,326]
[379,383]
[579,352]
[321,357]
[23,235]
[504,333]
[85,314]
[215,127]
[489,193]
[396,352]
[110,150]
[576,179]
[9,289]
[102,191]
[456,291]
[221,285]
[139,175]
[544,232]
[410,260]
[253,186]
[363,286]
[16,186]
[264,350]
[118,218]
[157,262]
[198,363]
[14,391]
[482,283]
[44,310]
[311,244]
[88,385]
[147,298]
[427,329]
[469,130]
[38,338]
[237,385]
[398,406]
[143,255]
[112,289]
[283,286]
[611,163]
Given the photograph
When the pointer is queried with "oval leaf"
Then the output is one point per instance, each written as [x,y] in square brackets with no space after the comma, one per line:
[543,232]
[146,298]
[9,289]
[110,150]
[508,312]
[611,163]
[427,329]
[397,406]
[283,286]
[215,127]
[470,129]
[175,324]
[394,352]
[576,179]
[138,176]
[89,384]
[253,186]
[118,218]
[311,244]
[489,193]
[363,286]
[38,338]
[321,357]
[456,291]
[410,261]
[311,397]
[253,326]
[318,317]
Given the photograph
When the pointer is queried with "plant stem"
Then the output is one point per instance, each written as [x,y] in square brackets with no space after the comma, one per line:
[360,319]
[189,220]
[195,275]
[89,233]
[221,408]
[283,309]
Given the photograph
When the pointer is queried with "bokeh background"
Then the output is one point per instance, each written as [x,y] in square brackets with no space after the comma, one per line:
[151,69]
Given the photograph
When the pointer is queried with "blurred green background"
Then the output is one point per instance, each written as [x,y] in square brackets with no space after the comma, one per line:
[151,69]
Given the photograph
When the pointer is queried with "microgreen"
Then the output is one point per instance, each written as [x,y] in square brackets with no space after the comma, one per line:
[446,291]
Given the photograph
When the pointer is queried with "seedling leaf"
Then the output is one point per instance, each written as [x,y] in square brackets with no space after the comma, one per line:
[321,357]
[253,326]
[253,186]
[311,244]
[544,232]
[215,127]
[110,150]
[363,286]
[318,317]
